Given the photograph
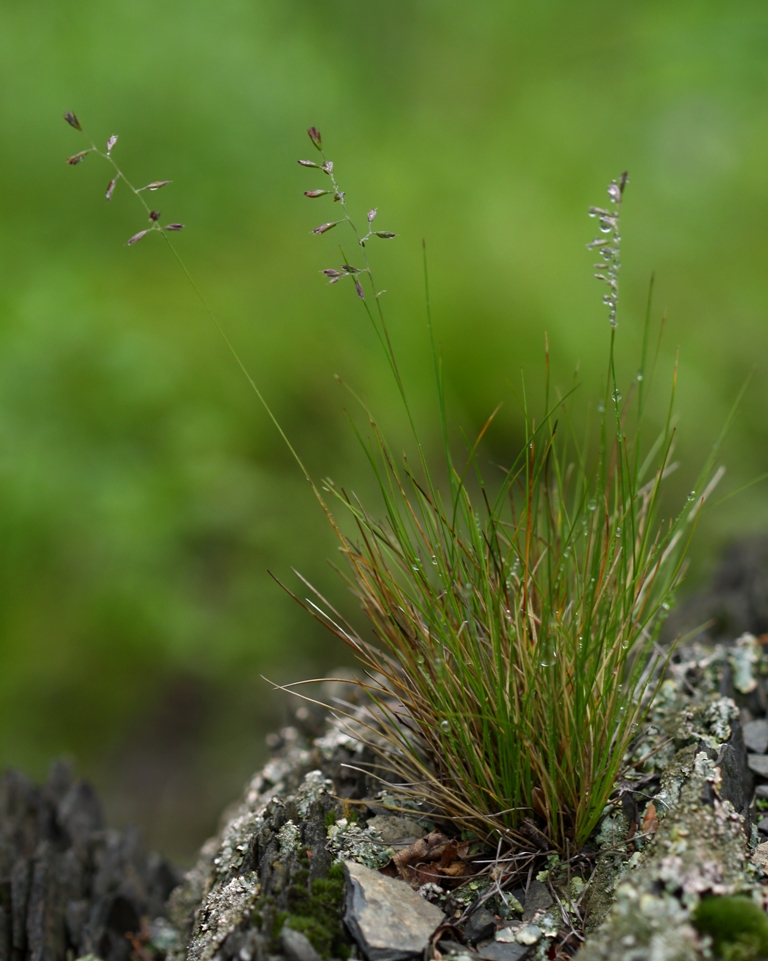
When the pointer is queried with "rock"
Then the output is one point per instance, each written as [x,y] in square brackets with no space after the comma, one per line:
[505,951]
[481,924]
[699,847]
[529,934]
[393,829]
[296,946]
[736,783]
[762,825]
[756,736]
[759,764]
[537,898]
[760,855]
[387,918]
[761,791]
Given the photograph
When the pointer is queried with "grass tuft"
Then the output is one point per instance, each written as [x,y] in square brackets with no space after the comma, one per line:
[514,621]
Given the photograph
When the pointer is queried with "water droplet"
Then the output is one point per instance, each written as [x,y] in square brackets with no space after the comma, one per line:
[624,645]
[639,375]
[692,496]
[665,606]
[601,407]
[445,726]
[616,396]
[592,505]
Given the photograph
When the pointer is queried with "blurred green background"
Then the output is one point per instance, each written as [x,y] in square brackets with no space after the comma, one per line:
[144,494]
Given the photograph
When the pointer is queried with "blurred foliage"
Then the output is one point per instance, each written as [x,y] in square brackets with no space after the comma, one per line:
[143,493]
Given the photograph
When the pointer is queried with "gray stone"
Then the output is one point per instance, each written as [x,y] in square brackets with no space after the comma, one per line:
[736,783]
[393,829]
[505,951]
[762,825]
[481,924]
[756,736]
[761,791]
[296,946]
[388,920]
[537,898]
[529,934]
[759,764]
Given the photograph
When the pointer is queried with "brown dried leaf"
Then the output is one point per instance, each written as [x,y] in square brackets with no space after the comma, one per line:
[650,820]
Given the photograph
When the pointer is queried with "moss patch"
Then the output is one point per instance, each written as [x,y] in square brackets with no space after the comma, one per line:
[315,911]
[737,926]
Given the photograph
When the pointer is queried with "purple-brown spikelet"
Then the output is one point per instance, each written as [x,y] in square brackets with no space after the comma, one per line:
[72,120]
[314,136]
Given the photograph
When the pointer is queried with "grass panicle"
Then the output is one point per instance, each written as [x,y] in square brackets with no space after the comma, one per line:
[514,621]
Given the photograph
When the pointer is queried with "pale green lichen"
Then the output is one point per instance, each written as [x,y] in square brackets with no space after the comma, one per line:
[289,837]
[347,841]
[719,714]
[744,657]
[312,788]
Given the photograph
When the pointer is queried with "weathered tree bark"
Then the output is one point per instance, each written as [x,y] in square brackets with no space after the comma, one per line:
[68,886]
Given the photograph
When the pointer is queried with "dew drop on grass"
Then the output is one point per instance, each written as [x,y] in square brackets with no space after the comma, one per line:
[592,505]
[616,395]
[445,726]
[639,375]
[692,496]
[601,408]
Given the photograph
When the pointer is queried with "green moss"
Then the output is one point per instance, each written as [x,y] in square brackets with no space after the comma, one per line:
[737,926]
[315,911]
